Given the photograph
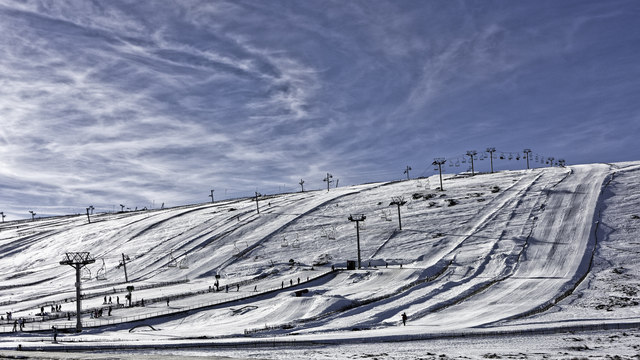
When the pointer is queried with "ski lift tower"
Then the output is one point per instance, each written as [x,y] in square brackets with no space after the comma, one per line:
[406,171]
[357,218]
[527,153]
[471,154]
[439,162]
[78,260]
[491,150]
[399,201]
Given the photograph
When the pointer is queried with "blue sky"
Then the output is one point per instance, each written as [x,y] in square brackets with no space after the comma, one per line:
[147,102]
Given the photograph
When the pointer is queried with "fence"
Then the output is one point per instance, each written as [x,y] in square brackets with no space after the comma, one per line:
[100,322]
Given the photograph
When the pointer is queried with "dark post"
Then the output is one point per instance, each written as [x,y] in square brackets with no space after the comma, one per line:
[491,150]
[124,264]
[471,154]
[328,180]
[302,184]
[357,218]
[257,207]
[78,260]
[398,200]
[3,215]
[211,196]
[439,162]
[406,171]
[526,153]
[88,218]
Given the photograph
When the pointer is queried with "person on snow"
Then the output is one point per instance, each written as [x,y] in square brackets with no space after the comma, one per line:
[404,319]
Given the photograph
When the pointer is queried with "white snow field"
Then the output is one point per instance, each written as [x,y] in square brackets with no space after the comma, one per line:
[539,263]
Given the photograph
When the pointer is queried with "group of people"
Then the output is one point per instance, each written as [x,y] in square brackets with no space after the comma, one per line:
[291,282]
[19,323]
[97,313]
[54,308]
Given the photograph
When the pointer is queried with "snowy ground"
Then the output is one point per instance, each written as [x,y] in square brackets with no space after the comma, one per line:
[539,262]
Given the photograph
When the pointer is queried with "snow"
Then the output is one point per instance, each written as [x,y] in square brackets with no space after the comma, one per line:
[499,263]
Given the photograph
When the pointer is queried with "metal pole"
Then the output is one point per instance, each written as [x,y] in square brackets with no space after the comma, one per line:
[257,207]
[527,152]
[211,196]
[358,239]
[399,221]
[88,218]
[491,150]
[78,299]
[124,263]
[471,154]
[439,162]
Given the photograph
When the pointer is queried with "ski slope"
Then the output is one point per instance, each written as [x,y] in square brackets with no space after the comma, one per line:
[490,252]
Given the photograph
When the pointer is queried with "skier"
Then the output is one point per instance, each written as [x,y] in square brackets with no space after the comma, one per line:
[55,334]
[237,287]
[255,288]
[298,281]
[167,302]
[404,319]
[15,326]
[109,313]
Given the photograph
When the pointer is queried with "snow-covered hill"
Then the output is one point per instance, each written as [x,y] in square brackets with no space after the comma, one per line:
[511,251]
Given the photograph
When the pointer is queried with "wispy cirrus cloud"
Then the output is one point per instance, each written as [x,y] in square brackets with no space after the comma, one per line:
[134,102]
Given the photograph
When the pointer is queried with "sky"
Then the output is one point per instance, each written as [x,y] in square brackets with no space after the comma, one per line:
[144,103]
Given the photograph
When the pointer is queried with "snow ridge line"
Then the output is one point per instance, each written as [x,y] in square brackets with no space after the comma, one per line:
[268,237]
